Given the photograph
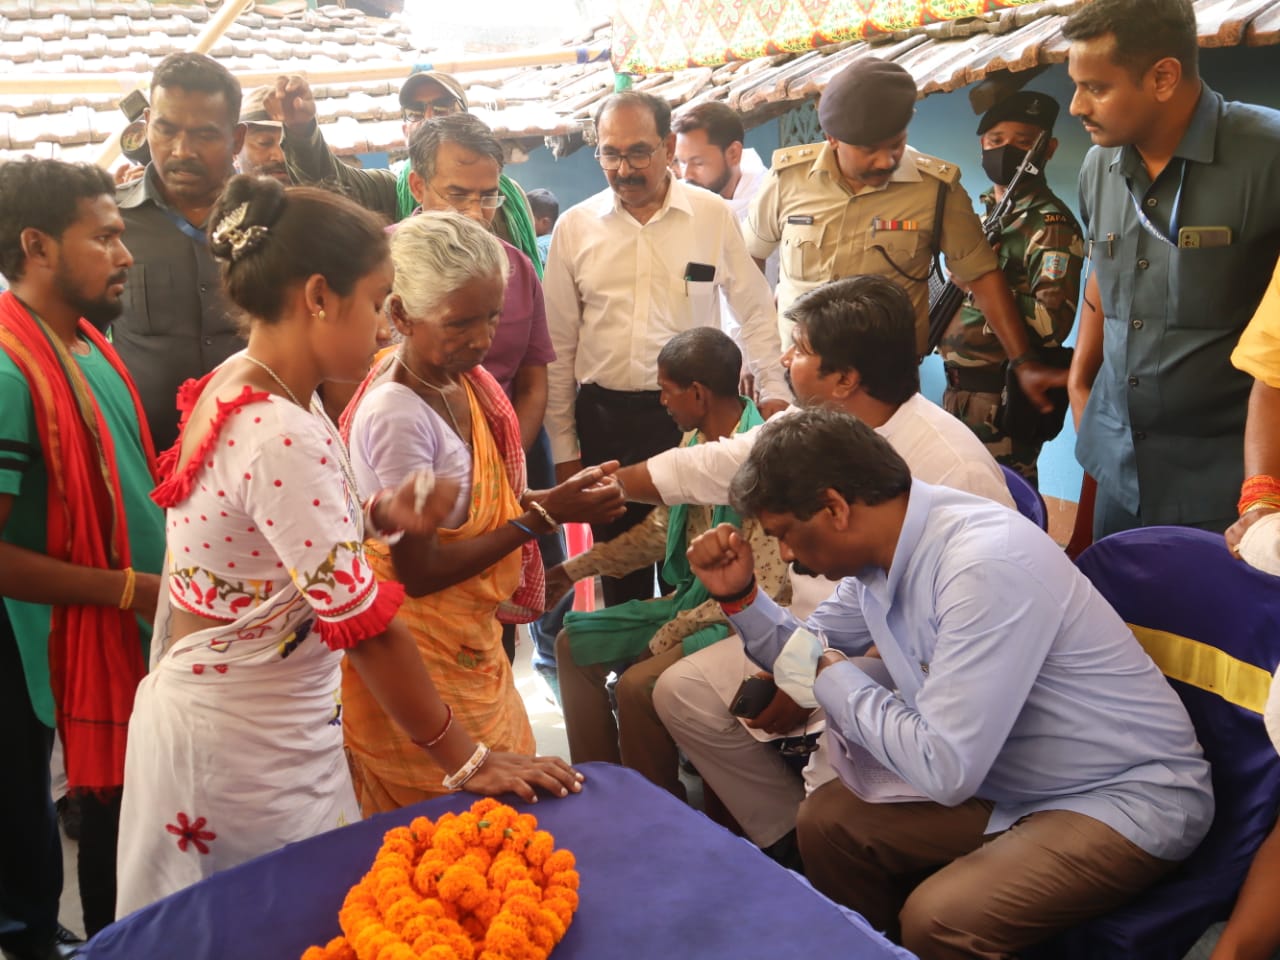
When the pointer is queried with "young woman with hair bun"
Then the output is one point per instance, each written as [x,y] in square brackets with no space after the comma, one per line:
[235,744]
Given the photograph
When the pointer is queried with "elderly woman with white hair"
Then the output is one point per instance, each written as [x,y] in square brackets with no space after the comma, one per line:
[430,405]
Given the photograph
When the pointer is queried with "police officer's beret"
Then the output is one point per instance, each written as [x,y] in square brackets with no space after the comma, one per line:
[869,101]
[1026,106]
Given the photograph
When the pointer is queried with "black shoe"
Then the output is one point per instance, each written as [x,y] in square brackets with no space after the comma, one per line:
[65,945]
[68,808]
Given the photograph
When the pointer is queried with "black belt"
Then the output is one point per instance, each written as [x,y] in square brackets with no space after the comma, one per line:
[627,399]
[984,379]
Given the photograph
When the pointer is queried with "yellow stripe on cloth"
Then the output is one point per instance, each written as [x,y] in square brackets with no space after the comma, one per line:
[1206,667]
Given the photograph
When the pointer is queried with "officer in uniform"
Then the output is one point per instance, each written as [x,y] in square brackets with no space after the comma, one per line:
[865,202]
[1041,252]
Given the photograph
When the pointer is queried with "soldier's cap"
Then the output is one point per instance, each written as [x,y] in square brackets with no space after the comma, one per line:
[421,75]
[867,102]
[253,109]
[1025,106]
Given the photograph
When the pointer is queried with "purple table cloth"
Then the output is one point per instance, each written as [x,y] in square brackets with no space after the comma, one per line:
[659,880]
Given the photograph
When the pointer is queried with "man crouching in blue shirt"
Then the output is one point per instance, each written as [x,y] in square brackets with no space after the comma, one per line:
[1057,772]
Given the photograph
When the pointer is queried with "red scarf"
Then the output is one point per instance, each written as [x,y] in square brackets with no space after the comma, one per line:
[95,653]
[526,605]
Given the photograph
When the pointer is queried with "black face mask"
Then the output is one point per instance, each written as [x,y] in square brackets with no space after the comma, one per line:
[1001,163]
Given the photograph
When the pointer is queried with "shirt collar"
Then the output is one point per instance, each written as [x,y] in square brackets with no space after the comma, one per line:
[907,172]
[1199,140]
[677,198]
[139,191]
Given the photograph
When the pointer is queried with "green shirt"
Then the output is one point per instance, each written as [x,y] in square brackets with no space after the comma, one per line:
[23,475]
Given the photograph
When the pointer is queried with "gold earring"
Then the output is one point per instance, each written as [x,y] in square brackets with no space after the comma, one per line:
[320,315]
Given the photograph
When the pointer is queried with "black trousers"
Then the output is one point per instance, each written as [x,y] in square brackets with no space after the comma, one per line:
[96,865]
[30,847]
[629,427]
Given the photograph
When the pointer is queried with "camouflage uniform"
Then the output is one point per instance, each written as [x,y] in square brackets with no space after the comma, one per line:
[1041,252]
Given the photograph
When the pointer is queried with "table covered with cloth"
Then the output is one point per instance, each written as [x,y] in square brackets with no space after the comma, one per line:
[659,880]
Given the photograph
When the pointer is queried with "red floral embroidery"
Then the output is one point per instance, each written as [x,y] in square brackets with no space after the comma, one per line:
[191,833]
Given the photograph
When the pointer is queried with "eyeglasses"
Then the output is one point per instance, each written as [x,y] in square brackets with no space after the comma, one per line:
[637,159]
[436,108]
[461,201]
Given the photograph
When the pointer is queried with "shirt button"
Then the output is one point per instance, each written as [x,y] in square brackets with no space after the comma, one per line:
[1137,324]
[204,288]
[1133,381]
[208,341]
[1152,201]
[1139,435]
[1143,264]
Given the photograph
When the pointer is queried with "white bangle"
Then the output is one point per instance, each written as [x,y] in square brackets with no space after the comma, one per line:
[546,516]
[468,770]
[371,529]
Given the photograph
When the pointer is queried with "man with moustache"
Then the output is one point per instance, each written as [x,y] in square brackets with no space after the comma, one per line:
[81,543]
[629,268]
[864,202]
[262,154]
[1180,204]
[853,351]
[425,95]
[176,325]
[1057,772]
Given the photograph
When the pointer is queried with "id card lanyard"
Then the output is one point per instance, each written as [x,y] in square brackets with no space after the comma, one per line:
[1146,222]
[185,225]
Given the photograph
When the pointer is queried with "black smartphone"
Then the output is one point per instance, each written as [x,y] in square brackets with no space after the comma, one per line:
[752,697]
[699,272]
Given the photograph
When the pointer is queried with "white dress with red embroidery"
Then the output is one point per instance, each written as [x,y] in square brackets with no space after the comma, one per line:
[235,743]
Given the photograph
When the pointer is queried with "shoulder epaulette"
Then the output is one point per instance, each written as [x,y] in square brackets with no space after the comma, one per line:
[791,156]
[942,170]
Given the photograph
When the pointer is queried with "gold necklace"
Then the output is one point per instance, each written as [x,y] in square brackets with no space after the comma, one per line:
[457,428]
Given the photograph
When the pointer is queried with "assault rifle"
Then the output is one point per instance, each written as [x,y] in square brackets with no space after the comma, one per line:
[946,299]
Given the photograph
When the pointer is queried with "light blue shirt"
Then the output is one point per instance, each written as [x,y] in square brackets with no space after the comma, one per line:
[1015,680]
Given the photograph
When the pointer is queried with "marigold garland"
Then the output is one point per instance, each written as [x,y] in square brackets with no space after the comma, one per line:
[485,884]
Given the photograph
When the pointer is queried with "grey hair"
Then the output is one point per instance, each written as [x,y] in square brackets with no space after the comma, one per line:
[436,253]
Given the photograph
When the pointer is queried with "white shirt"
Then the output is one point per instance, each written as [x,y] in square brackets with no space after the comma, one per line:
[615,294]
[751,174]
[937,447]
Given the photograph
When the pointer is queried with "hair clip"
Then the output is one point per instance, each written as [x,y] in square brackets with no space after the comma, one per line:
[241,241]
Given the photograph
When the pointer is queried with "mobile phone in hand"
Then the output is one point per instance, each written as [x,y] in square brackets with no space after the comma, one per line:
[752,697]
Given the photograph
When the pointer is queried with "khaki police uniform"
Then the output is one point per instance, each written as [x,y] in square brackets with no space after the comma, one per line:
[824,231]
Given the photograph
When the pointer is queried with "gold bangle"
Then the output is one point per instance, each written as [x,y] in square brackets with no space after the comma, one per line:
[542,511]
[130,582]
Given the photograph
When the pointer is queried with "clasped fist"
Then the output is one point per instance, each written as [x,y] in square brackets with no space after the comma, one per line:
[721,558]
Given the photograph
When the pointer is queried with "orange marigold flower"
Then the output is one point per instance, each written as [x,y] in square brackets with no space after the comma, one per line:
[565,878]
[539,847]
[421,829]
[561,859]
[484,805]
[562,908]
[523,888]
[401,912]
[391,894]
[438,952]
[543,936]
[315,953]
[464,885]
[397,951]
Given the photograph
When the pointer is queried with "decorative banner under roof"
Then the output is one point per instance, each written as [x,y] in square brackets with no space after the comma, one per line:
[652,36]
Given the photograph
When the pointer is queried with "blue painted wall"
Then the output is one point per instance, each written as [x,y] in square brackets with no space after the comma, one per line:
[944,126]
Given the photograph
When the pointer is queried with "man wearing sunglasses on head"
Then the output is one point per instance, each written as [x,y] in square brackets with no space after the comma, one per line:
[427,94]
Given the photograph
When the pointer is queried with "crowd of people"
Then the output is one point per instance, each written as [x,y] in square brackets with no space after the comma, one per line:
[288,445]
